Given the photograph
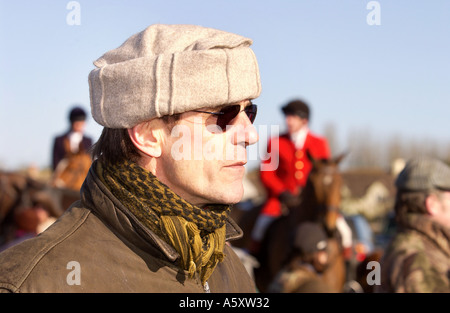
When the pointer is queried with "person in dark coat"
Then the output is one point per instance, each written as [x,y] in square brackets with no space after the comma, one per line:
[71,153]
[74,140]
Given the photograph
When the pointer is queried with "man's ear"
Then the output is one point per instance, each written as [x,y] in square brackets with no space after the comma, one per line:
[147,137]
[432,204]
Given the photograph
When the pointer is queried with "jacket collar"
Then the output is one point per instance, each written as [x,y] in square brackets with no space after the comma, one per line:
[435,232]
[99,199]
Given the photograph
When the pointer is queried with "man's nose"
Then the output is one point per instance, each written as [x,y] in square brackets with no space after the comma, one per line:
[246,132]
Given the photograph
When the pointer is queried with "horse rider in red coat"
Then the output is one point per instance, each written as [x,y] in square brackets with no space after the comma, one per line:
[285,181]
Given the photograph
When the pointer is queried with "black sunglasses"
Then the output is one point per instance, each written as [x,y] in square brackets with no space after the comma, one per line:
[228,113]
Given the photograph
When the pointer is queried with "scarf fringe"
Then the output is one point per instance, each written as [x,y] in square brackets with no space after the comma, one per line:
[197,257]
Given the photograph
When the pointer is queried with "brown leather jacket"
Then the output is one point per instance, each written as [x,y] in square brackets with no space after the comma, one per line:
[99,246]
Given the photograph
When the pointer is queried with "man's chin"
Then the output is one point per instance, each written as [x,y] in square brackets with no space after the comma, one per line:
[236,196]
[230,195]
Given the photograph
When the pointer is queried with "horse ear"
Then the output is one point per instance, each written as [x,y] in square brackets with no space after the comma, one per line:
[339,158]
[315,162]
[310,157]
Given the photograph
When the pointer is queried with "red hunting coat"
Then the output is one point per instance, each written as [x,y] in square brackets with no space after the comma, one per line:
[293,167]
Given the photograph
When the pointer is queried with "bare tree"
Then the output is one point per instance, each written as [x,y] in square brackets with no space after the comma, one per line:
[330,133]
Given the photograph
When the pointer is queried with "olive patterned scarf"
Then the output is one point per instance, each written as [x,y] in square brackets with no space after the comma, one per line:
[197,234]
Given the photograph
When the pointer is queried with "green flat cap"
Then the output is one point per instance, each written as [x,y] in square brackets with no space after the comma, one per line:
[424,174]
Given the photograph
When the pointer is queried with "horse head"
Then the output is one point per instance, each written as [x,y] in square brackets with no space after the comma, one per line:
[324,183]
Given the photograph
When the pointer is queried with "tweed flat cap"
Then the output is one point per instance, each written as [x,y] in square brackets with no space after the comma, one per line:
[169,69]
[424,174]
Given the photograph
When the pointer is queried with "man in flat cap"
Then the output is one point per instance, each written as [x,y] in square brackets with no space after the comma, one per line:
[176,105]
[417,259]
[293,150]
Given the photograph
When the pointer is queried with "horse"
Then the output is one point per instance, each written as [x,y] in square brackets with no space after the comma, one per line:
[28,205]
[71,170]
[319,202]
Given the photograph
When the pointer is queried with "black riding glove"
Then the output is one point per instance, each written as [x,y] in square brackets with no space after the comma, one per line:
[289,199]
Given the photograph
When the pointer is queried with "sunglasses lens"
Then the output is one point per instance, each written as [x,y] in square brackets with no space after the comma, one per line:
[251,112]
[227,115]
[230,112]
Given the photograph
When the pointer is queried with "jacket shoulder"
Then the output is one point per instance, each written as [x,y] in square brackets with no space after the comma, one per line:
[20,261]
[231,276]
[317,146]
[413,264]
[317,138]
[280,143]
[60,137]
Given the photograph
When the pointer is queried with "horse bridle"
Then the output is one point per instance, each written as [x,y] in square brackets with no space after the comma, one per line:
[330,172]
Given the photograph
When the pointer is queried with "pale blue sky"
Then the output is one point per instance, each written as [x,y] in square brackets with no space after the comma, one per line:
[391,79]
